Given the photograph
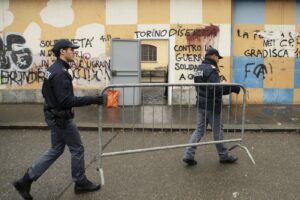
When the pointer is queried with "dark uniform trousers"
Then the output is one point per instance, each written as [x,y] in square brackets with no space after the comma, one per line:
[60,137]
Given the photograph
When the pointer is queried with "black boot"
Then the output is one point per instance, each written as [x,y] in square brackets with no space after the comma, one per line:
[86,186]
[23,186]
[190,162]
[229,160]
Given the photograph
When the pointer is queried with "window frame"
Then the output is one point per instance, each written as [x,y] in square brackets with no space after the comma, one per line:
[149,53]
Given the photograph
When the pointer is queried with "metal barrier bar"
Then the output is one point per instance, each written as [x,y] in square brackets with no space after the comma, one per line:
[189,108]
[172,125]
[99,156]
[117,153]
[123,111]
[221,118]
[143,119]
[171,117]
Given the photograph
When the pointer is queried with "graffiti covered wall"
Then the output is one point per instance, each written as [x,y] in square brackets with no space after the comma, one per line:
[266,50]
[27,37]
[260,51]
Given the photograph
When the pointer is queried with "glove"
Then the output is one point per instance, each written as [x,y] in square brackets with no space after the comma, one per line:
[97,100]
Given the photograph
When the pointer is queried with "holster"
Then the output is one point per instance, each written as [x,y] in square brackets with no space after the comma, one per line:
[62,116]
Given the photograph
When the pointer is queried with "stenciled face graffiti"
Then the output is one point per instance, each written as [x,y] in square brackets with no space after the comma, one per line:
[14,53]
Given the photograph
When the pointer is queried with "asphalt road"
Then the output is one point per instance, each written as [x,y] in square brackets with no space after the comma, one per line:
[158,175]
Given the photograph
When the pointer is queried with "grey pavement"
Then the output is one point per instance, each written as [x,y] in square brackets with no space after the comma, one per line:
[258,117]
[159,175]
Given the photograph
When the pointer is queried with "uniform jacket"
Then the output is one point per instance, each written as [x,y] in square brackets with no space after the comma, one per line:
[210,97]
[58,91]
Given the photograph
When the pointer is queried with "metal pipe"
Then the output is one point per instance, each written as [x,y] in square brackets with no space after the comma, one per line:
[169,84]
[99,158]
[167,147]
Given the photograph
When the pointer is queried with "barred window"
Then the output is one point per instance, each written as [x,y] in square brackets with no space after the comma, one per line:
[148,52]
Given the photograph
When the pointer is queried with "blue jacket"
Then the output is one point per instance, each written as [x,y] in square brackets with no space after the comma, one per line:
[210,97]
[58,91]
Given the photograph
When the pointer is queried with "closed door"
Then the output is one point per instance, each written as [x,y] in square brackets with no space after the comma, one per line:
[126,69]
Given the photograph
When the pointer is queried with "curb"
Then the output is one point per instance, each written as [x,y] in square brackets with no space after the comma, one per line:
[184,127]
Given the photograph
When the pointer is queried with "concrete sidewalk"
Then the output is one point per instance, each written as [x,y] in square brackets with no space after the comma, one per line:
[258,117]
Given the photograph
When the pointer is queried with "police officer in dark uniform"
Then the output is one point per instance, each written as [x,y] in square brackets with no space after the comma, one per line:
[209,103]
[59,98]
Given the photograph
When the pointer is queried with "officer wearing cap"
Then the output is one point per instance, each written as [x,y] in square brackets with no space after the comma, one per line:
[59,98]
[209,102]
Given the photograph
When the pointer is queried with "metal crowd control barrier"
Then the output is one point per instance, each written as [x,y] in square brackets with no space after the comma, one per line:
[144,110]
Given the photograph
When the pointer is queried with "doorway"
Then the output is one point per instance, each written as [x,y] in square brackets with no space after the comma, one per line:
[154,69]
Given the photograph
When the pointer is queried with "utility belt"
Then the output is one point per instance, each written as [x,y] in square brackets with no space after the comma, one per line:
[63,114]
[60,117]
[208,99]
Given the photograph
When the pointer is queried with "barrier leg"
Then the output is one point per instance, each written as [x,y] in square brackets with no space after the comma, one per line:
[244,148]
[99,157]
